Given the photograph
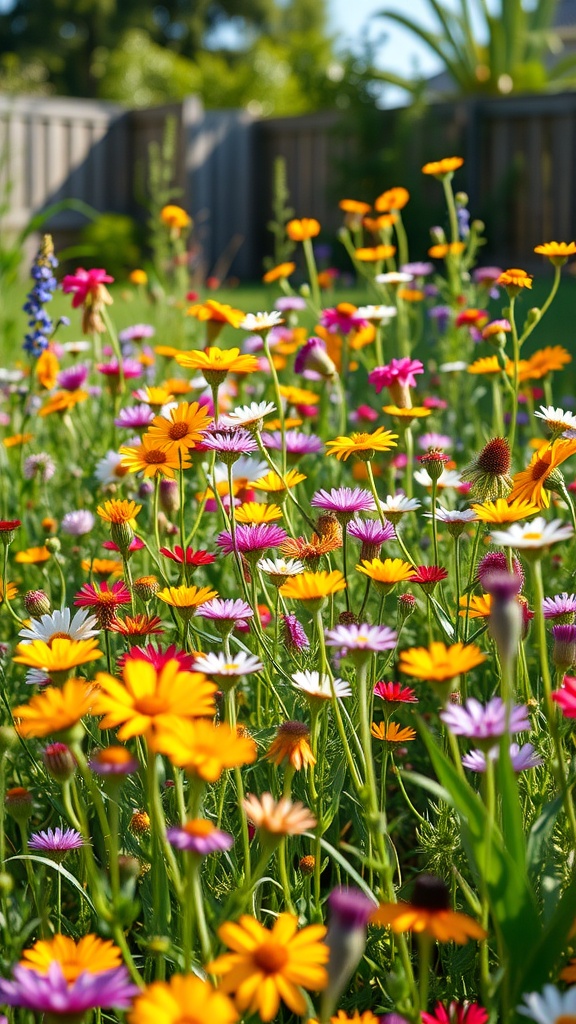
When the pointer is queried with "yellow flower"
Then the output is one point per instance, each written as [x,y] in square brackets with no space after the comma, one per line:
[529,483]
[515,278]
[63,401]
[362,445]
[279,273]
[102,566]
[439,662]
[313,587]
[11,591]
[415,412]
[475,606]
[391,732]
[443,249]
[202,748]
[156,396]
[47,368]
[216,363]
[182,426]
[119,511]
[386,574]
[32,556]
[273,483]
[151,459]
[392,199]
[148,699]
[170,1002]
[298,396]
[557,252]
[429,912]
[60,655]
[303,229]
[54,710]
[16,439]
[89,954]
[215,312]
[411,294]
[267,967]
[374,253]
[485,365]
[184,597]
[138,277]
[441,168]
[502,511]
[174,217]
[257,512]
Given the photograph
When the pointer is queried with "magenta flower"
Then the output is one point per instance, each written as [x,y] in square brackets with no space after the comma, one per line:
[158,657]
[434,440]
[51,994]
[84,283]
[252,540]
[344,502]
[399,373]
[561,606]
[200,837]
[456,1013]
[395,693]
[229,444]
[313,358]
[297,443]
[113,767]
[337,321]
[493,562]
[130,368]
[135,545]
[294,635]
[226,611]
[522,758]
[371,531]
[56,843]
[72,378]
[485,722]
[135,417]
[137,333]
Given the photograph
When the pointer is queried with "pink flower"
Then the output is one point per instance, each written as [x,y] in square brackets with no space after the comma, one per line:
[85,283]
[456,1013]
[399,371]
[565,697]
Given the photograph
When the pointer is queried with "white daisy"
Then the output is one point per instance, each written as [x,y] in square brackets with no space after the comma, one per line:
[261,321]
[556,419]
[377,313]
[247,415]
[61,624]
[75,348]
[533,536]
[312,686]
[448,478]
[285,567]
[245,468]
[399,504]
[550,1006]
[394,277]
[108,469]
[449,515]
[456,367]
[218,665]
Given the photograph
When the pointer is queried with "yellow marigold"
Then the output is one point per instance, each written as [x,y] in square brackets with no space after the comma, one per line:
[529,483]
[119,511]
[47,368]
[279,273]
[216,363]
[203,748]
[503,511]
[313,587]
[386,574]
[303,229]
[63,401]
[441,168]
[546,360]
[362,445]
[11,591]
[443,249]
[371,254]
[182,426]
[391,732]
[32,556]
[354,206]
[439,662]
[515,278]
[257,512]
[151,459]
[392,199]
[556,252]
[55,709]
[218,312]
[169,1002]
[17,439]
[174,217]
[90,954]
[273,483]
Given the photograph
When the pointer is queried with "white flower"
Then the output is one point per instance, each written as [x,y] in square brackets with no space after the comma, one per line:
[394,277]
[245,468]
[287,567]
[75,348]
[240,664]
[556,419]
[10,376]
[60,623]
[399,503]
[246,415]
[448,478]
[108,469]
[447,515]
[455,367]
[549,1006]
[261,321]
[534,535]
[378,313]
[310,684]
[37,677]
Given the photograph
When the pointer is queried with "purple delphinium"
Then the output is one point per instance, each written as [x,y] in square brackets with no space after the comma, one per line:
[251,540]
[521,757]
[72,378]
[50,993]
[135,417]
[561,607]
[56,842]
[297,443]
[361,640]
[200,837]
[294,635]
[344,502]
[485,722]
[77,523]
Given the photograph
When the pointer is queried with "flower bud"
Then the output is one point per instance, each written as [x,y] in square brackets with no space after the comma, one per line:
[307,865]
[59,761]
[169,497]
[37,603]
[564,650]
[122,534]
[505,619]
[18,803]
[140,823]
[146,489]
[346,940]
[146,587]
[53,544]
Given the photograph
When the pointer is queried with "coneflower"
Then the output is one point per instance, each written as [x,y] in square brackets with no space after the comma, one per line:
[489,472]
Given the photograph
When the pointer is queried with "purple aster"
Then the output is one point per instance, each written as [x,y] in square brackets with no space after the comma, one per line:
[371,531]
[564,651]
[485,722]
[226,610]
[199,836]
[363,640]
[72,378]
[56,843]
[434,440]
[229,444]
[338,322]
[39,467]
[297,443]
[344,502]
[130,367]
[522,758]
[418,269]
[561,606]
[287,303]
[294,635]
[252,540]
[135,417]
[138,332]
[441,314]
[50,993]
[77,523]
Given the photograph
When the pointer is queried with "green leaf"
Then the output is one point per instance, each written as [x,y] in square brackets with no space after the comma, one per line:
[540,835]
[61,871]
[512,821]
[334,853]
[546,954]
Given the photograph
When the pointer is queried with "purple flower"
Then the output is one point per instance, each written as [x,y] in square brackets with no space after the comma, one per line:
[130,368]
[522,758]
[56,843]
[560,606]
[135,417]
[361,639]
[286,303]
[226,610]
[344,502]
[493,562]
[199,836]
[441,314]
[229,444]
[78,523]
[297,442]
[485,722]
[51,993]
[39,467]
[371,531]
[295,638]
[338,322]
[313,356]
[486,275]
[72,378]
[138,332]
[251,540]
[503,586]
[350,908]
[434,440]
[564,651]
[346,940]
[418,269]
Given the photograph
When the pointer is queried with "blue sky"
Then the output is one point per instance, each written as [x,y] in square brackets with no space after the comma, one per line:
[400,52]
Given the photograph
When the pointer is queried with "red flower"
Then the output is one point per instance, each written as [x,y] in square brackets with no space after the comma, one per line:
[84,283]
[192,557]
[135,545]
[137,625]
[428,576]
[565,697]
[395,693]
[7,525]
[158,658]
[456,1013]
[103,599]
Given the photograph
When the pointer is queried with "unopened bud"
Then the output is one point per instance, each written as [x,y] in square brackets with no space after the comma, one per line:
[37,603]
[122,534]
[564,650]
[146,587]
[533,315]
[18,803]
[307,865]
[461,199]
[350,910]
[405,607]
[59,761]
[129,868]
[169,497]
[53,545]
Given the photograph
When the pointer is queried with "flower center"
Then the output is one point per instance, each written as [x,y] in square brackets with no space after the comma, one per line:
[59,636]
[532,536]
[270,957]
[178,430]
[155,456]
[199,827]
[539,468]
[150,705]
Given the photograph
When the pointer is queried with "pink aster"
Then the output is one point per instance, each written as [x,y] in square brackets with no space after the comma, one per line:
[52,994]
[252,540]
[395,693]
[84,283]
[130,368]
[565,697]
[338,322]
[344,502]
[361,640]
[397,376]
[456,1013]
[157,657]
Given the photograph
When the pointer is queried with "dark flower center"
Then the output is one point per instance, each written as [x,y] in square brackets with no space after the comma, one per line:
[430,893]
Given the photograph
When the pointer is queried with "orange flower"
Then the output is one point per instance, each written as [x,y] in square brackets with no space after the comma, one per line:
[381,223]
[546,360]
[443,168]
[47,369]
[291,744]
[374,253]
[62,401]
[429,911]
[54,710]
[32,556]
[439,252]
[182,427]
[174,217]
[392,199]
[16,439]
[391,732]
[529,483]
[138,277]
[303,229]
[312,588]
[411,294]
[219,312]
[279,273]
[204,749]
[557,252]
[354,206]
[151,459]
[515,279]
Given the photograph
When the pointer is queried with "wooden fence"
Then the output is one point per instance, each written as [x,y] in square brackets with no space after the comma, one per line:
[520,166]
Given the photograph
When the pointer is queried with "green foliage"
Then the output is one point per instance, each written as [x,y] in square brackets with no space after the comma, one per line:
[112,241]
[283,247]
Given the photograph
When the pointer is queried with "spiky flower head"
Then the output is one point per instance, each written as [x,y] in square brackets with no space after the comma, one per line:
[489,472]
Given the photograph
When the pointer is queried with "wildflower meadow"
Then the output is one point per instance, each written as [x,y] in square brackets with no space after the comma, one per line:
[287,627]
